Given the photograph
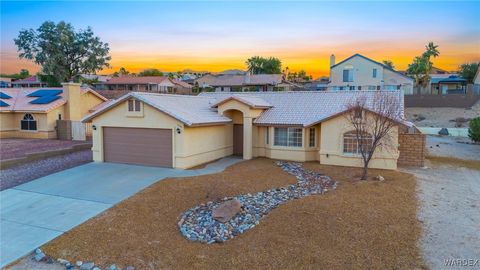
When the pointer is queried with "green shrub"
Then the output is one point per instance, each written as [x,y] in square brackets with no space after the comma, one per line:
[474,129]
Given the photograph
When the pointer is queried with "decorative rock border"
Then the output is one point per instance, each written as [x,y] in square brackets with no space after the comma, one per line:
[198,224]
[40,257]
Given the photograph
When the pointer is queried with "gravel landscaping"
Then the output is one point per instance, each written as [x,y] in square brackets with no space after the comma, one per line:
[27,172]
[449,194]
[16,148]
[200,223]
[362,224]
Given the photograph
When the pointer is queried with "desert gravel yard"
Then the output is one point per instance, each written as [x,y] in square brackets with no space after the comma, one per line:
[449,193]
[27,172]
[359,225]
[16,148]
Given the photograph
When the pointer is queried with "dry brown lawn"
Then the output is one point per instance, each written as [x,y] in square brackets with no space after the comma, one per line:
[454,162]
[367,225]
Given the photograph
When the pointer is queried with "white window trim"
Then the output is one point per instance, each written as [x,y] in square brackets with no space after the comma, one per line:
[351,154]
[287,139]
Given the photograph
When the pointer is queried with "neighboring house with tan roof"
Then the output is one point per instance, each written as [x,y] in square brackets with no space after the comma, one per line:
[156,84]
[358,72]
[185,131]
[33,81]
[244,83]
[33,112]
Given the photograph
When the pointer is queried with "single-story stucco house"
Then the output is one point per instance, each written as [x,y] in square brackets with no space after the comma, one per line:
[33,112]
[185,131]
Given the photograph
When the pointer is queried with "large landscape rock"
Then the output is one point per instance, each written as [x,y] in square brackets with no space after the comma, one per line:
[443,131]
[227,210]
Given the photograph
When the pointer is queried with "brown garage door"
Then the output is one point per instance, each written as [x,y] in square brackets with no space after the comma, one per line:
[145,146]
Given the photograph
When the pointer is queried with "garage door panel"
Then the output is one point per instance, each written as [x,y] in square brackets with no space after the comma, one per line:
[143,146]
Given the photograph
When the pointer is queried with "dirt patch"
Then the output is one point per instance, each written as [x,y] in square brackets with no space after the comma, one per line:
[448,193]
[454,162]
[360,225]
[442,117]
[203,165]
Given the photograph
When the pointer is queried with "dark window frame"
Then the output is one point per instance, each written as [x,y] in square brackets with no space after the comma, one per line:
[28,123]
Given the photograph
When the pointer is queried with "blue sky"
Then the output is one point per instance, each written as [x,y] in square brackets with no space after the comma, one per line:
[220,35]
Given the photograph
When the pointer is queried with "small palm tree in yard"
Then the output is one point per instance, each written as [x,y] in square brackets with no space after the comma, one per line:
[372,123]
[474,130]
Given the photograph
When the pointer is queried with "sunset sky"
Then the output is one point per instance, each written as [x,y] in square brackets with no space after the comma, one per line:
[215,36]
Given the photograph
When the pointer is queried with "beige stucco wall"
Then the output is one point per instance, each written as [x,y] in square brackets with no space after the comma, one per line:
[203,144]
[304,153]
[46,122]
[193,146]
[10,125]
[88,101]
[331,144]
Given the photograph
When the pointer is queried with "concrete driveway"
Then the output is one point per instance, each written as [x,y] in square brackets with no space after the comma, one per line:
[36,212]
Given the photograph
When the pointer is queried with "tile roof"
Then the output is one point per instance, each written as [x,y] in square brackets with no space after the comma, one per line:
[240,80]
[32,79]
[282,108]
[306,108]
[190,110]
[251,101]
[20,101]
[180,83]
[137,80]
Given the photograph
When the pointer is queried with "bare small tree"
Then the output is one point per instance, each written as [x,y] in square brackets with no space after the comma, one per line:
[372,121]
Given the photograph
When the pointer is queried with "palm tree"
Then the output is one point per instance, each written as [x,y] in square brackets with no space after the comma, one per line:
[430,50]
[388,63]
[255,64]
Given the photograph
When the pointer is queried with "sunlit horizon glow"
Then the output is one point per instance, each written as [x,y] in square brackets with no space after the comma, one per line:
[215,36]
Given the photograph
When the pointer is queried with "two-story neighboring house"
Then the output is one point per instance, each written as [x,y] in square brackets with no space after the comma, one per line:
[358,72]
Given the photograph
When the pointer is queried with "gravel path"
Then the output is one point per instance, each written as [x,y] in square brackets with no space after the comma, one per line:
[449,197]
[28,172]
[457,147]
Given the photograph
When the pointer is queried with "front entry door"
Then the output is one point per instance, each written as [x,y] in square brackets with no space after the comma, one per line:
[238,139]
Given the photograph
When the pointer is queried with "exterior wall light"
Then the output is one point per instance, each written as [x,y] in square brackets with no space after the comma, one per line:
[179,131]
[94,127]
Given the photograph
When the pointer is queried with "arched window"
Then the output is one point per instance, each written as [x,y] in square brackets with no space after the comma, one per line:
[28,122]
[352,145]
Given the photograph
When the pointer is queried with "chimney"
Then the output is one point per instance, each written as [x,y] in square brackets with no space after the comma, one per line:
[332,60]
[71,93]
[247,78]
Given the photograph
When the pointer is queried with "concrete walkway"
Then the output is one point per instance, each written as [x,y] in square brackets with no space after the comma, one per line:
[36,212]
